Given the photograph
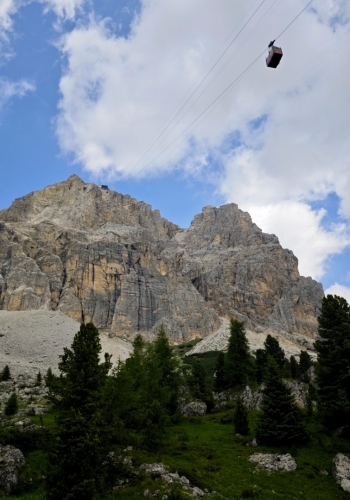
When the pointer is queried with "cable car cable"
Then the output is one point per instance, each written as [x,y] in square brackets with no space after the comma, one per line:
[226,91]
[205,77]
[257,26]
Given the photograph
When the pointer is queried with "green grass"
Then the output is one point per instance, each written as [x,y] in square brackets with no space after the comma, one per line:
[209,454]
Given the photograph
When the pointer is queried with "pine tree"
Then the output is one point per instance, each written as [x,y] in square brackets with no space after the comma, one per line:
[12,405]
[220,376]
[38,379]
[333,374]
[238,363]
[281,422]
[79,453]
[169,371]
[260,363]
[294,367]
[273,349]
[143,392]
[240,419]
[5,374]
[305,363]
[49,378]
[199,384]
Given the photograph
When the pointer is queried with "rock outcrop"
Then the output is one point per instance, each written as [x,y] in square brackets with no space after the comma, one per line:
[11,463]
[273,462]
[341,471]
[97,255]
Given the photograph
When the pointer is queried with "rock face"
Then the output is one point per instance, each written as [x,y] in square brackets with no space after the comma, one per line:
[11,463]
[97,255]
[341,470]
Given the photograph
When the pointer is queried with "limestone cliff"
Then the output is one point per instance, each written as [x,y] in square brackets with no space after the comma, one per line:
[100,256]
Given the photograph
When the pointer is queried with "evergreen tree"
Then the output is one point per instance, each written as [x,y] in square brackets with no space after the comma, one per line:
[143,393]
[238,363]
[5,374]
[273,349]
[260,363]
[240,419]
[294,367]
[169,371]
[281,421]
[49,378]
[78,456]
[12,405]
[38,379]
[199,384]
[305,363]
[220,376]
[333,373]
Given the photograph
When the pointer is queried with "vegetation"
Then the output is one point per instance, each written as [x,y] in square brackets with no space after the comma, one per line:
[79,448]
[5,374]
[240,419]
[333,375]
[238,362]
[96,413]
[281,421]
[11,406]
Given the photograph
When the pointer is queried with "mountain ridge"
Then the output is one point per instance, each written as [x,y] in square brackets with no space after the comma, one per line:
[98,255]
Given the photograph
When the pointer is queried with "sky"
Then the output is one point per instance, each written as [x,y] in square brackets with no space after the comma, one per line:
[171,102]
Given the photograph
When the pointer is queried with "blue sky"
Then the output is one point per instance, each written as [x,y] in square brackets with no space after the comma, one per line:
[89,87]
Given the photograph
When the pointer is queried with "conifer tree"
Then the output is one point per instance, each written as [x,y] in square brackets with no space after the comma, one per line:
[260,363]
[220,376]
[5,374]
[238,363]
[199,384]
[294,367]
[305,364]
[273,349]
[12,405]
[38,379]
[333,374]
[281,422]
[79,453]
[240,419]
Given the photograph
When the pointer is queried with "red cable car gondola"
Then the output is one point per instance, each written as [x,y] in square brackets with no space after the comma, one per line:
[274,57]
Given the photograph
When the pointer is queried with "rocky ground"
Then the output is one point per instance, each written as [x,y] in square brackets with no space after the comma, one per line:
[33,341]
[291,343]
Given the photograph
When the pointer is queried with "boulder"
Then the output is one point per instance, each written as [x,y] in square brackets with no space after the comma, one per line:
[252,400]
[194,409]
[341,471]
[11,463]
[273,462]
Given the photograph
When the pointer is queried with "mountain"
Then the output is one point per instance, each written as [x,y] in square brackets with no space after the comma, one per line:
[97,255]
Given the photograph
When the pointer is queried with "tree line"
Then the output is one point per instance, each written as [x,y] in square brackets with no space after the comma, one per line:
[98,411]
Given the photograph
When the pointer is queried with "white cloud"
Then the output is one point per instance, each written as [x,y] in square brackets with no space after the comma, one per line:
[292,123]
[342,291]
[9,90]
[64,9]
[300,229]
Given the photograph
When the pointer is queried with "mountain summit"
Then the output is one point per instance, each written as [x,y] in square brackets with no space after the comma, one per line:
[97,255]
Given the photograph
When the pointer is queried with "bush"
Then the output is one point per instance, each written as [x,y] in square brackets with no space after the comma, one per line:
[11,405]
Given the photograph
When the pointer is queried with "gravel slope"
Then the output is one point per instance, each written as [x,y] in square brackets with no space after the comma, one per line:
[33,340]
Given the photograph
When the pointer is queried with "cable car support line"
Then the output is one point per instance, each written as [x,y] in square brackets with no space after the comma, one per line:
[225,92]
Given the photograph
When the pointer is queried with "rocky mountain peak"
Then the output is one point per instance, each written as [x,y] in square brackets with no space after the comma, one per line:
[98,255]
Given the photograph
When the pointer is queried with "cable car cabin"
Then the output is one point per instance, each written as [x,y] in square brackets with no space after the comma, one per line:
[274,57]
